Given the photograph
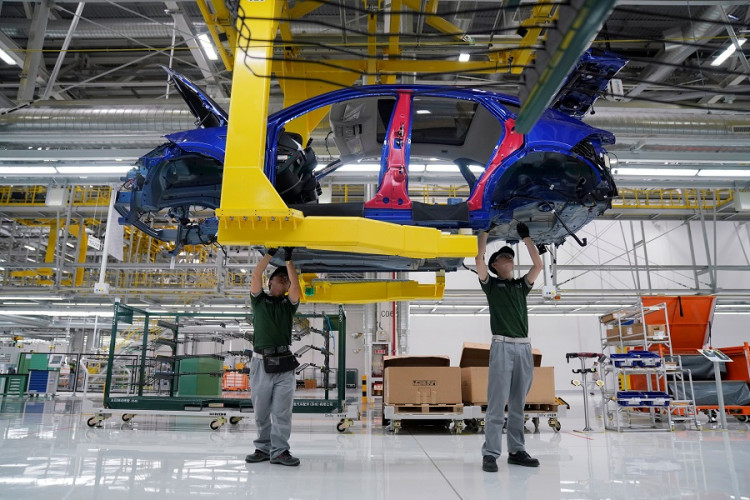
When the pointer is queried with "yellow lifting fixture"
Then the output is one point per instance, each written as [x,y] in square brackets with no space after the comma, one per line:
[253,213]
[366,292]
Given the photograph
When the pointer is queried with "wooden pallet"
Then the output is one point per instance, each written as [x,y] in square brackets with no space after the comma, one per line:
[427,408]
[530,408]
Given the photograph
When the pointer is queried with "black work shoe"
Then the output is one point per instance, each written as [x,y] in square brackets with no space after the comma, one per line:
[258,456]
[286,458]
[522,458]
[489,463]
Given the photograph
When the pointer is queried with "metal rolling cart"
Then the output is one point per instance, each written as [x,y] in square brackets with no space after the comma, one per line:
[642,371]
[475,416]
[145,399]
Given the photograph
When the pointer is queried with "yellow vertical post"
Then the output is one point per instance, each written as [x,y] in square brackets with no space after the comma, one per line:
[372,48]
[246,132]
[364,391]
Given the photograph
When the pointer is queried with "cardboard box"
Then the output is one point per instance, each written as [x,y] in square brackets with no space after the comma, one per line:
[543,387]
[475,361]
[474,384]
[626,332]
[421,380]
[656,332]
[612,316]
[423,385]
[476,354]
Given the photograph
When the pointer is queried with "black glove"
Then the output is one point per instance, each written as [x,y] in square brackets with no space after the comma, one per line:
[272,251]
[288,253]
[523,230]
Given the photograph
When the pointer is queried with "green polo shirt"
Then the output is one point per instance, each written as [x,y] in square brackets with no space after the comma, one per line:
[272,320]
[507,301]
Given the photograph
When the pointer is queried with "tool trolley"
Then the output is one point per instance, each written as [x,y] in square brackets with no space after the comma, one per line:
[146,396]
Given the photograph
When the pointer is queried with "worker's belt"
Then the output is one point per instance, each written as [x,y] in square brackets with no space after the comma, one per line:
[272,351]
[512,340]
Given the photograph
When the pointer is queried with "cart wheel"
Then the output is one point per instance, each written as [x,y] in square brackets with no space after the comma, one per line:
[555,424]
[235,420]
[341,426]
[472,425]
[127,417]
[712,416]
[743,418]
[458,426]
[91,422]
[215,424]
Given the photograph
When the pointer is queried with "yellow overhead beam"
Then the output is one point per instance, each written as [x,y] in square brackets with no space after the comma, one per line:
[368,292]
[372,67]
[342,234]
[535,25]
[303,8]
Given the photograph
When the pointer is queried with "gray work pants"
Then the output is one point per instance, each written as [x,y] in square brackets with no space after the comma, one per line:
[273,396]
[511,373]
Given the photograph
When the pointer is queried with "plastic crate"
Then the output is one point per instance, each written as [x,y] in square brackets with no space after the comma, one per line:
[636,359]
[643,398]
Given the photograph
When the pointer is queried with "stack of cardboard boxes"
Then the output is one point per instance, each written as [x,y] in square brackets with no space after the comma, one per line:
[419,380]
[475,362]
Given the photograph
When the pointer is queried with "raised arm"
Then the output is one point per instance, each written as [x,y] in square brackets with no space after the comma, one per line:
[481,265]
[295,291]
[536,259]
[256,280]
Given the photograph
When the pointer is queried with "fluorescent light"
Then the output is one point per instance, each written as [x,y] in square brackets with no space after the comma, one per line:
[670,172]
[29,247]
[728,52]
[477,169]
[442,168]
[709,172]
[48,312]
[359,167]
[463,57]
[27,170]
[19,297]
[103,170]
[424,112]
[208,47]
[6,57]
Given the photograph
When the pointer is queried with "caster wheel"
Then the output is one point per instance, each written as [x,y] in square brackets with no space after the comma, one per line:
[341,426]
[555,424]
[235,420]
[743,418]
[215,424]
[91,422]
[127,417]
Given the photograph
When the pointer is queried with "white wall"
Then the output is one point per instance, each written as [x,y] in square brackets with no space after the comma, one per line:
[552,335]
[610,242]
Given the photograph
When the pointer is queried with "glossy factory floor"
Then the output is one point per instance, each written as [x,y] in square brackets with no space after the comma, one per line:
[47,451]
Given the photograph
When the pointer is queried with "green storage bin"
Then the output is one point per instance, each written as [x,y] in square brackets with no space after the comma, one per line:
[200,376]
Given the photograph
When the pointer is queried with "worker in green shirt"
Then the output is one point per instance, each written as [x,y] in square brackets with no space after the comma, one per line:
[511,363]
[272,379]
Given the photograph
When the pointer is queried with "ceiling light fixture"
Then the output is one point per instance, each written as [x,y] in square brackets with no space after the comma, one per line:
[208,47]
[464,57]
[670,172]
[6,57]
[728,52]
[27,170]
[103,170]
[709,172]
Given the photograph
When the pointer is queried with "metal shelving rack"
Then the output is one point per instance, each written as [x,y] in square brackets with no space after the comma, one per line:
[668,375]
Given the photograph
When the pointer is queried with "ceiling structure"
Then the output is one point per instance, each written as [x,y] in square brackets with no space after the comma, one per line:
[85,89]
